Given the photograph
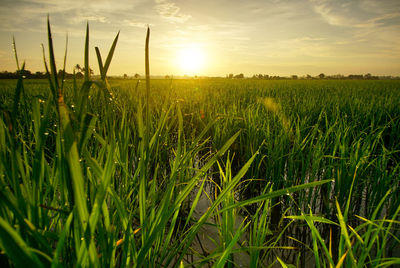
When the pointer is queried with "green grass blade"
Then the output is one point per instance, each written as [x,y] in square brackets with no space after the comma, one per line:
[65,62]
[53,67]
[86,57]
[61,241]
[100,61]
[15,53]
[276,194]
[109,57]
[16,248]
[345,234]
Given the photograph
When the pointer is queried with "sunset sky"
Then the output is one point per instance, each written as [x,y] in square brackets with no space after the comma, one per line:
[218,36]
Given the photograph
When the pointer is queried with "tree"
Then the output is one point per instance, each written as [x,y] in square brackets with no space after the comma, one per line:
[230,76]
[137,76]
[125,76]
[25,73]
[60,73]
[78,68]
[321,76]
[79,75]
[90,70]
[39,75]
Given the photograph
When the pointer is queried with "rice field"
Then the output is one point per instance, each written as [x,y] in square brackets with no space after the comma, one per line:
[198,172]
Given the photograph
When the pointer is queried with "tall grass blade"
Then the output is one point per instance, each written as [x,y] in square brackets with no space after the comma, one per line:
[16,248]
[86,56]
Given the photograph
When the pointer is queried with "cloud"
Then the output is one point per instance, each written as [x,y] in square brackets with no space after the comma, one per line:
[135,23]
[333,12]
[84,18]
[310,39]
[170,12]
[357,13]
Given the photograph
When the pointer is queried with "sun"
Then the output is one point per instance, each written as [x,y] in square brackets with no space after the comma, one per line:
[191,59]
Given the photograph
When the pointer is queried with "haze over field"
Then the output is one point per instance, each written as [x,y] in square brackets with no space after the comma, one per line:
[212,38]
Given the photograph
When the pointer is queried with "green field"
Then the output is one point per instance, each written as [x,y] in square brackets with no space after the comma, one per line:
[110,173]
[275,135]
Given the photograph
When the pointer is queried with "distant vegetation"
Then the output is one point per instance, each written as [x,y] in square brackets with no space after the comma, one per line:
[79,75]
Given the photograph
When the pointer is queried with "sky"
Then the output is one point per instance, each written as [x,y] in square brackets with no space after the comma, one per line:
[210,37]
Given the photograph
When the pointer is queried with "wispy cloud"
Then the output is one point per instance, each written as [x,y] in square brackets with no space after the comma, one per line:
[84,18]
[135,23]
[334,13]
[357,13]
[171,12]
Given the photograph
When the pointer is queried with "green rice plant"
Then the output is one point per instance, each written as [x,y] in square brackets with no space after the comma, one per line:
[367,241]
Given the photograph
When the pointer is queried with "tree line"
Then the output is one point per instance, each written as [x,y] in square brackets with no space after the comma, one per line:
[78,71]
[367,76]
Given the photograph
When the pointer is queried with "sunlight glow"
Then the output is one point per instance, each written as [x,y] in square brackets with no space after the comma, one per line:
[191,59]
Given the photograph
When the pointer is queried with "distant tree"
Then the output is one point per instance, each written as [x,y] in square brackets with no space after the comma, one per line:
[166,77]
[137,76]
[78,68]
[8,75]
[321,76]
[230,76]
[239,76]
[125,76]
[294,77]
[60,73]
[355,76]
[63,74]
[309,76]
[25,73]
[90,70]
[39,75]
[79,75]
